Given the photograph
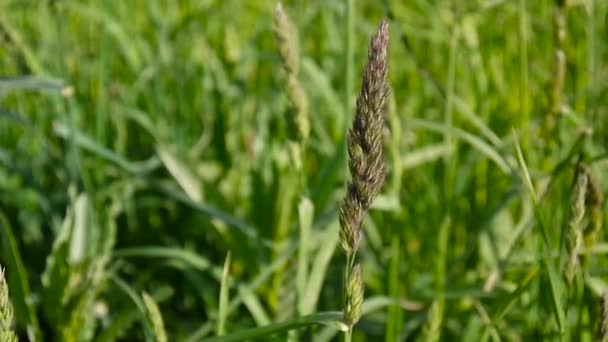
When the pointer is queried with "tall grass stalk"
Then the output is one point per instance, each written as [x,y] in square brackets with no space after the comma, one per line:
[286,37]
[366,165]
[523,65]
[298,130]
[558,78]
[349,56]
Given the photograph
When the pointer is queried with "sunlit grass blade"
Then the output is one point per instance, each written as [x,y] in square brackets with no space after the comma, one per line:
[83,141]
[476,142]
[13,36]
[154,316]
[305,216]
[427,154]
[333,319]
[186,179]
[557,287]
[34,83]
[223,305]
[319,265]
[246,291]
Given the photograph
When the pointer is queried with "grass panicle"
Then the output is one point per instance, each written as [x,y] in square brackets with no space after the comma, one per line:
[354,296]
[6,312]
[558,78]
[595,204]
[364,143]
[155,317]
[432,331]
[603,326]
[298,122]
[366,165]
[575,229]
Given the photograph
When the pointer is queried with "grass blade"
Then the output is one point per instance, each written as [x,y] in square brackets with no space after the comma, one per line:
[223,305]
[88,144]
[130,292]
[186,179]
[305,215]
[476,142]
[190,258]
[319,265]
[155,317]
[333,319]
[557,290]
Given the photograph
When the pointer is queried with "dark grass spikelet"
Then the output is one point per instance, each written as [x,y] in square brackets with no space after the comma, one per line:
[595,204]
[364,143]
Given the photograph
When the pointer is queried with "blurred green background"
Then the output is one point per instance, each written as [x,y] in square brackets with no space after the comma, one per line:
[141,141]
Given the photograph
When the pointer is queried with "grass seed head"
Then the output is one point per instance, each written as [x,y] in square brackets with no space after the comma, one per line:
[575,231]
[354,296]
[364,143]
[594,204]
[287,41]
[6,312]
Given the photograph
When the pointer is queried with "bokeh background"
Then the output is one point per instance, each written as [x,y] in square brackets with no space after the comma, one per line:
[142,141]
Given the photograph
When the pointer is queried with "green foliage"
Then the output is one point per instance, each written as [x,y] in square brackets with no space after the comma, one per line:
[143,141]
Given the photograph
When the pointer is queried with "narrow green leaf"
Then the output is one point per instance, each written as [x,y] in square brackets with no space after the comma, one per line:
[78,239]
[557,291]
[186,256]
[88,144]
[320,263]
[186,179]
[333,319]
[425,155]
[476,142]
[130,292]
[515,295]
[305,215]
[246,293]
[47,85]
[223,305]
[155,317]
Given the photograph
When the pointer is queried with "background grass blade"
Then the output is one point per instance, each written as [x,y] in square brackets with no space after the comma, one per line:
[223,305]
[326,318]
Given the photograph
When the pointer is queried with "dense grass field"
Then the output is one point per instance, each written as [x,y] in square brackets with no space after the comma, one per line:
[158,181]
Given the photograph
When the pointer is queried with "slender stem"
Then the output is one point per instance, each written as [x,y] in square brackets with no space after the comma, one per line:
[348,334]
[523,55]
[348,62]
[347,269]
